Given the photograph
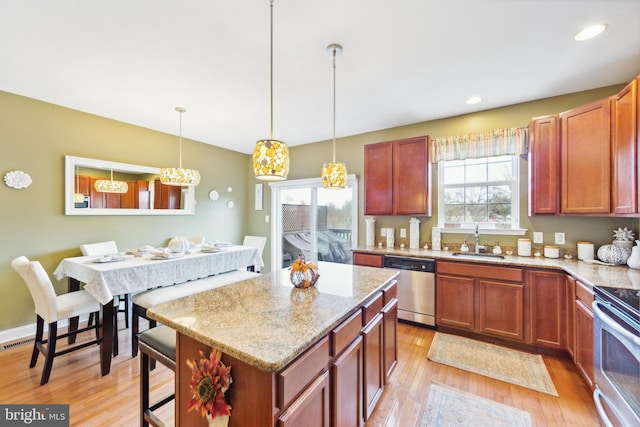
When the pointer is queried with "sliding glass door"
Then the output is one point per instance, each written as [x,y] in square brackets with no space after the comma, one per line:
[313,222]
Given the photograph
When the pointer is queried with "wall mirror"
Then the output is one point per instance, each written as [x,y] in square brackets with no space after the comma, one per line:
[145,195]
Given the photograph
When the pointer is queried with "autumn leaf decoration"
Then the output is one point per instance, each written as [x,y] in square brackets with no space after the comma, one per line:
[210,379]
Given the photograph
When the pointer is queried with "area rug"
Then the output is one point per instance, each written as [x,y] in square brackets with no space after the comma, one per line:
[500,363]
[448,406]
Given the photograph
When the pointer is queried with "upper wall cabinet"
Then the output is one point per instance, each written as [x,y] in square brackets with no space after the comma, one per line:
[585,158]
[585,161]
[624,149]
[397,177]
[544,166]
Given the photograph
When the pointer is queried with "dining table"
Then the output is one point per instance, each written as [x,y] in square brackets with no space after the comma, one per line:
[103,277]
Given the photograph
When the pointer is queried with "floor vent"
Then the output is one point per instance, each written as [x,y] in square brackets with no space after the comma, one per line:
[9,345]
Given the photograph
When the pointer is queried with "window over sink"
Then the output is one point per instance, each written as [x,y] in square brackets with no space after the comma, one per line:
[482,191]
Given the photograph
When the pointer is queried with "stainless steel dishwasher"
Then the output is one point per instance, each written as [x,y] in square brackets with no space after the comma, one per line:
[416,288]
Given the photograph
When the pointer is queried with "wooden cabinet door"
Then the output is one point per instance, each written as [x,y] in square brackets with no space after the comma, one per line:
[82,184]
[390,320]
[312,408]
[570,286]
[455,302]
[97,199]
[624,150]
[378,179]
[370,260]
[348,386]
[544,166]
[167,196]
[129,200]
[373,342]
[500,309]
[411,177]
[585,153]
[584,351]
[547,297]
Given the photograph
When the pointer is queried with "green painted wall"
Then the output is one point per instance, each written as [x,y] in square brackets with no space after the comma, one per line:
[35,136]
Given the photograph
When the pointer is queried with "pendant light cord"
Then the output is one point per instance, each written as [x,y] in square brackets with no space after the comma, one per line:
[334,105]
[271,69]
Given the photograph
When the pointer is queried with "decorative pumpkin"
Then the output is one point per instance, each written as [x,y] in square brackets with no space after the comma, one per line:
[614,254]
[179,245]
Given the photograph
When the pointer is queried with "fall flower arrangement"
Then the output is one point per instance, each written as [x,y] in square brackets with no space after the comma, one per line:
[303,274]
[210,379]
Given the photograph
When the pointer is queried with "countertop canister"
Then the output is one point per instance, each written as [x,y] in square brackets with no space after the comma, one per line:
[551,251]
[524,247]
[585,250]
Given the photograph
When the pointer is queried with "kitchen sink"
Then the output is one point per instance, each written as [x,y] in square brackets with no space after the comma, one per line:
[480,255]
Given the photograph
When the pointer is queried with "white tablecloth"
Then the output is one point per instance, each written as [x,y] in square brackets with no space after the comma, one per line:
[134,274]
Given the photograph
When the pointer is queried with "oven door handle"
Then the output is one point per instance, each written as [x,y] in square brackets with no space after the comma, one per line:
[623,333]
[598,397]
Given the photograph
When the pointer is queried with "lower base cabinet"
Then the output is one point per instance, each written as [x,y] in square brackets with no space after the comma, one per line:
[373,339]
[390,320]
[583,324]
[347,386]
[312,408]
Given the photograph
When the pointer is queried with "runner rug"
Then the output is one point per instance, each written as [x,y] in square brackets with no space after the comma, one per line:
[500,363]
[447,406]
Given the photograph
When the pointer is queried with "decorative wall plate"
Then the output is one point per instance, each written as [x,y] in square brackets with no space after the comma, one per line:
[213,195]
[17,179]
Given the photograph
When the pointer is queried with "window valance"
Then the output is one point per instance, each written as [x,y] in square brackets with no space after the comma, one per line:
[496,142]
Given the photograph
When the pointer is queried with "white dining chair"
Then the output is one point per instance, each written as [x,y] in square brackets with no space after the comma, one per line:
[256,242]
[51,308]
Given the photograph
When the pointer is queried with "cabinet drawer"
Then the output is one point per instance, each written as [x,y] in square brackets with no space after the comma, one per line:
[584,294]
[345,333]
[389,292]
[480,271]
[369,260]
[370,309]
[300,373]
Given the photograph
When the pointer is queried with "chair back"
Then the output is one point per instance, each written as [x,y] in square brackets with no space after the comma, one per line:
[101,248]
[256,242]
[40,287]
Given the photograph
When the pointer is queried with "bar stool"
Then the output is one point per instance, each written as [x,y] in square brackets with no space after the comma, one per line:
[156,344]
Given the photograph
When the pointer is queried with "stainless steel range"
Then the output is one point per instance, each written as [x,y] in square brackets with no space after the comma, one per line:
[617,356]
[416,288]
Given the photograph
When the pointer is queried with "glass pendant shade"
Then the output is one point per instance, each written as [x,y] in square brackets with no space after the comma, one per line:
[111,186]
[180,176]
[334,175]
[271,160]
[78,198]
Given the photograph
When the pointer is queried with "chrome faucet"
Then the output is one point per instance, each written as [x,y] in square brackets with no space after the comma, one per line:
[478,249]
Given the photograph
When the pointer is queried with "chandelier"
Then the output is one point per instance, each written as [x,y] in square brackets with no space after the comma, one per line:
[111,186]
[180,176]
[270,156]
[334,174]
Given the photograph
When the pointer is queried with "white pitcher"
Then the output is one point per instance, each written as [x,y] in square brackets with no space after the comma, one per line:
[634,260]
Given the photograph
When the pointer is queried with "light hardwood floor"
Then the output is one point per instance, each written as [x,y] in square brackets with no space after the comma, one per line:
[113,400]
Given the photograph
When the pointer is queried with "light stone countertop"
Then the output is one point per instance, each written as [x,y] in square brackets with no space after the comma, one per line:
[603,276]
[265,321]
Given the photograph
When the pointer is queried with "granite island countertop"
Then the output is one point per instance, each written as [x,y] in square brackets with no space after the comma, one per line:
[619,276]
[265,321]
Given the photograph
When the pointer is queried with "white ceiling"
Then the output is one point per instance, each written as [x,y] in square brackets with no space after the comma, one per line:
[404,61]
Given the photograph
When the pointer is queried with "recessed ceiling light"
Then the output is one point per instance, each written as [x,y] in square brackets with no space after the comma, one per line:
[473,100]
[590,32]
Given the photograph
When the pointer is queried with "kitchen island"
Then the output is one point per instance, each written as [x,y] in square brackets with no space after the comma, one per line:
[281,342]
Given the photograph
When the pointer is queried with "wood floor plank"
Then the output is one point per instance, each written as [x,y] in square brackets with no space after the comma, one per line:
[114,399]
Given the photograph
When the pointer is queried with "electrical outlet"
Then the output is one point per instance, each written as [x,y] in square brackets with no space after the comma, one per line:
[403,232]
[266,218]
[538,237]
[559,239]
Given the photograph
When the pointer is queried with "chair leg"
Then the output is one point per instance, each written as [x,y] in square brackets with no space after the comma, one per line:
[116,349]
[127,308]
[51,352]
[144,388]
[96,315]
[39,334]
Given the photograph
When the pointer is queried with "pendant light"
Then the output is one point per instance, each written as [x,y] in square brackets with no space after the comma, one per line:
[270,156]
[334,174]
[111,186]
[180,176]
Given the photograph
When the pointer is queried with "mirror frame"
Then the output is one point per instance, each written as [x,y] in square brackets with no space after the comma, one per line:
[72,162]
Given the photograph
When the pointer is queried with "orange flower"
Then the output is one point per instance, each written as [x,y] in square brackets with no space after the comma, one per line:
[210,379]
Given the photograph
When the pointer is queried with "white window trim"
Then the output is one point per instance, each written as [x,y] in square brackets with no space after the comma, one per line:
[276,213]
[483,227]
